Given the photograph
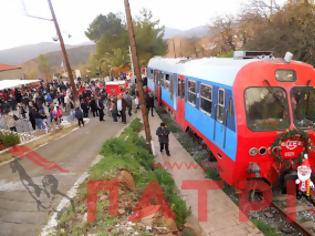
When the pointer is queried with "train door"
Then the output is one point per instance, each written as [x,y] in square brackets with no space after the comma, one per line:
[157,87]
[180,93]
[228,120]
[173,90]
[219,131]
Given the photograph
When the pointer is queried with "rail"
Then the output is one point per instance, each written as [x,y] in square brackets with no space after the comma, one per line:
[306,227]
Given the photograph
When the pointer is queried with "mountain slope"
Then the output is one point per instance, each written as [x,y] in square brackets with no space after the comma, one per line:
[24,53]
[198,32]
[77,56]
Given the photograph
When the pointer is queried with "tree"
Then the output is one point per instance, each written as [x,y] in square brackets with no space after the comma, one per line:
[290,29]
[109,25]
[112,44]
[43,67]
[264,25]
[149,37]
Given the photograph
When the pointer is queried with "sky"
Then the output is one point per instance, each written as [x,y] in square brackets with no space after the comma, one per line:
[74,16]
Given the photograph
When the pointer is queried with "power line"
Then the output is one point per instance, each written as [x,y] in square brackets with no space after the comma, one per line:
[33,16]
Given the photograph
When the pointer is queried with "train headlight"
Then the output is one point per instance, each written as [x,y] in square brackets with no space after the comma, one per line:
[263,150]
[253,151]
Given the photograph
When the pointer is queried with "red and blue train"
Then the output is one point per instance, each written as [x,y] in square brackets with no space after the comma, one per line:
[240,107]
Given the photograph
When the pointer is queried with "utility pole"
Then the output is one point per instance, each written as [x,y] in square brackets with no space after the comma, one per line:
[138,72]
[132,65]
[64,53]
[173,40]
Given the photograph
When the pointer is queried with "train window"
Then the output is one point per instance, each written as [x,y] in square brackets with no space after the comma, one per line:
[267,108]
[285,75]
[303,105]
[221,105]
[192,92]
[206,98]
[160,78]
[172,78]
[166,81]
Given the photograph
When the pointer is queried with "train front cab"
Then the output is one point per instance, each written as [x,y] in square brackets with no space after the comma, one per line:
[273,97]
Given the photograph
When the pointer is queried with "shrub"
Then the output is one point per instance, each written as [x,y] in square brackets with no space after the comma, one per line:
[135,125]
[114,146]
[131,152]
[9,140]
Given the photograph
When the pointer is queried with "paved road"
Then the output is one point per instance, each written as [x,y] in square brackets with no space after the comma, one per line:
[22,189]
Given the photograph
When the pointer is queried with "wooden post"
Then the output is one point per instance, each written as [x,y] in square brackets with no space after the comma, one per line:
[137,71]
[64,53]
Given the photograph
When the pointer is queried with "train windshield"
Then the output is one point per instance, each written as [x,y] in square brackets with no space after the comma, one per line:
[303,105]
[267,108]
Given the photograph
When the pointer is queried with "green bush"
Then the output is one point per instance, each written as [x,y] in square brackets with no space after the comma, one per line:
[135,125]
[114,146]
[9,140]
[131,152]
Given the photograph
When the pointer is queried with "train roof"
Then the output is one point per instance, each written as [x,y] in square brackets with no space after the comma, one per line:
[218,70]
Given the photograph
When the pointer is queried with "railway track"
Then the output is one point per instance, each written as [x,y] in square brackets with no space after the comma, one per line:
[302,216]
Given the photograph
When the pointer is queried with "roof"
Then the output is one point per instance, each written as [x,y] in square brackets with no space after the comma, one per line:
[118,82]
[6,84]
[218,70]
[5,67]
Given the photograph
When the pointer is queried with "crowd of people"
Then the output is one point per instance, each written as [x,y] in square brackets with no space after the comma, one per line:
[46,104]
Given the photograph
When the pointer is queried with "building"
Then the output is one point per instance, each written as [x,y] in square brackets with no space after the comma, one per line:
[10,72]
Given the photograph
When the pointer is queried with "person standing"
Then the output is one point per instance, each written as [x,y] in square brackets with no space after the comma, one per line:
[121,108]
[79,115]
[85,108]
[32,114]
[93,107]
[100,107]
[149,100]
[163,132]
[38,120]
[128,99]
[113,109]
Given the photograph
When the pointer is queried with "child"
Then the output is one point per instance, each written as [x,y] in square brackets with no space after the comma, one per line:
[163,133]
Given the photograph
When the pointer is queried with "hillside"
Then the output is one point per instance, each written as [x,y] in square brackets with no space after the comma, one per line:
[197,32]
[77,56]
[21,54]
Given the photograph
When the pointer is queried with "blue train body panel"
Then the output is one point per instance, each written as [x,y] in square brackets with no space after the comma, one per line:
[224,136]
[206,125]
[167,98]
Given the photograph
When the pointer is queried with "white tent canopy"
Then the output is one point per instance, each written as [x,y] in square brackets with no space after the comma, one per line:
[7,84]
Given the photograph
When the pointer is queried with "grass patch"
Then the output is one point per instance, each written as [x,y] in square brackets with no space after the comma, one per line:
[126,152]
[266,229]
[9,140]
